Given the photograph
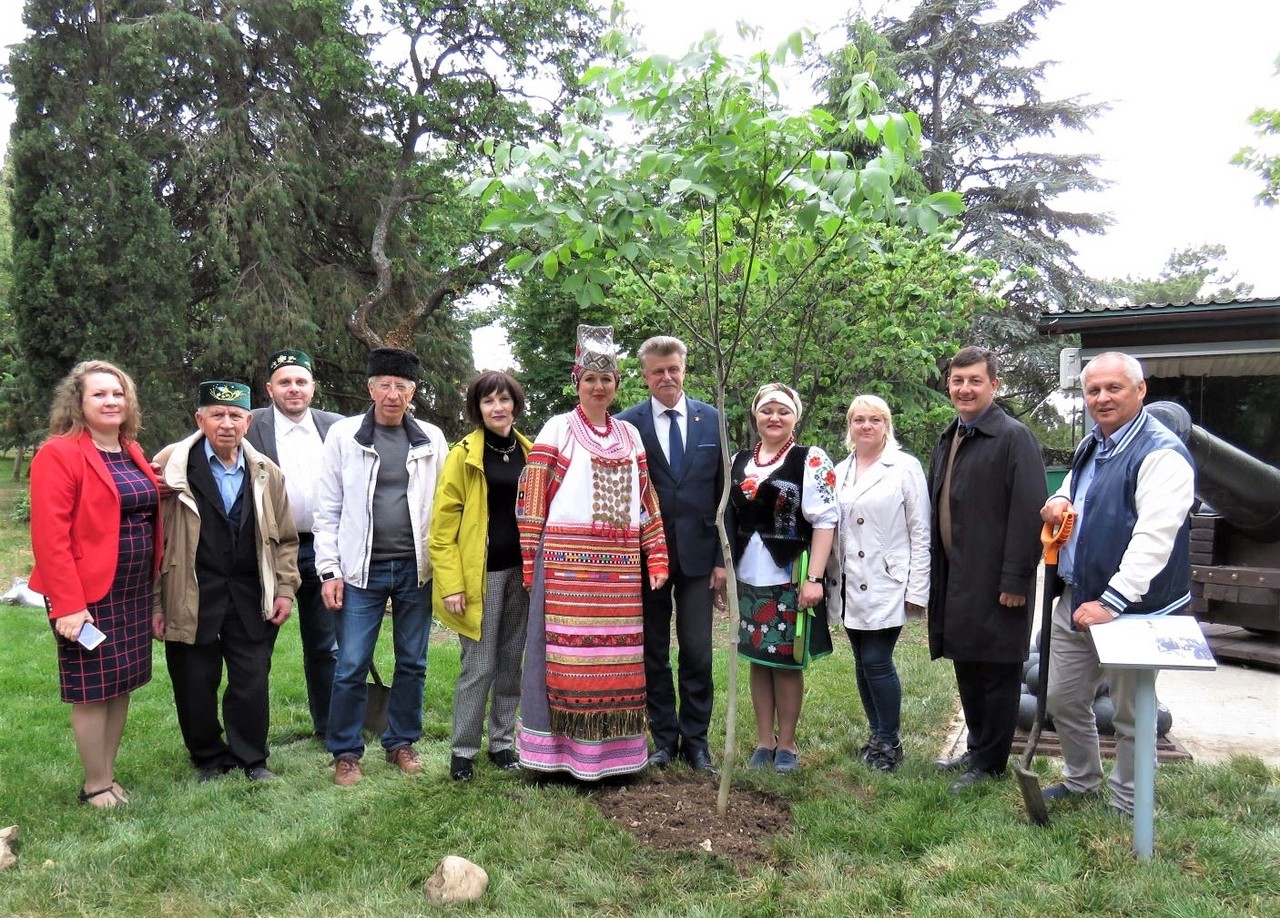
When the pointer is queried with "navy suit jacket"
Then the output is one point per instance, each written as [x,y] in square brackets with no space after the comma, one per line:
[262,429]
[688,505]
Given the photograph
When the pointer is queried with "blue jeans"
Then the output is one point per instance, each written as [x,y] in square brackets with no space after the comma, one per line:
[878,682]
[359,622]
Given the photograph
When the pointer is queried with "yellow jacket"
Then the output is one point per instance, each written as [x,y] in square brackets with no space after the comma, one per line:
[458,540]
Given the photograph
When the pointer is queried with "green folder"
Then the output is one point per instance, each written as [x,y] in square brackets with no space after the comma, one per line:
[799,573]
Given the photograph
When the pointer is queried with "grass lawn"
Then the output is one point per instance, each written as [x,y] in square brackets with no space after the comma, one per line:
[863,843]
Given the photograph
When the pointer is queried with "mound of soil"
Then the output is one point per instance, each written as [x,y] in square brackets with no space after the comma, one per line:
[675,810]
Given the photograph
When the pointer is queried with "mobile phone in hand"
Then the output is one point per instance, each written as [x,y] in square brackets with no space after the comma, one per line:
[90,637]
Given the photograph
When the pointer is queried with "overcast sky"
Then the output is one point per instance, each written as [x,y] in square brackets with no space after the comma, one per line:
[1182,76]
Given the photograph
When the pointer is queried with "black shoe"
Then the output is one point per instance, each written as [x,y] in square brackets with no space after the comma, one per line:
[461,768]
[661,758]
[506,759]
[973,776]
[864,754]
[959,763]
[260,773]
[886,756]
[700,760]
[211,773]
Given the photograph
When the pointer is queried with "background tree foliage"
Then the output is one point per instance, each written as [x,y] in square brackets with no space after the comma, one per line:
[199,184]
[16,423]
[962,68]
[1265,161]
[738,225]
[1192,275]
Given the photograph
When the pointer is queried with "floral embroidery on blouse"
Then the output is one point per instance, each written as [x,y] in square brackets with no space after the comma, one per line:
[822,475]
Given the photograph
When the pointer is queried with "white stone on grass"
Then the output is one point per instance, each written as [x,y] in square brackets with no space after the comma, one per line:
[456,880]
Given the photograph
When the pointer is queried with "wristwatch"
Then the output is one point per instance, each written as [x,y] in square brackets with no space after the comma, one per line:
[813,579]
[329,575]
[1111,610]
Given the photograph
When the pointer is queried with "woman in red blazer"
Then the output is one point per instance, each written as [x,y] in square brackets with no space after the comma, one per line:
[95,533]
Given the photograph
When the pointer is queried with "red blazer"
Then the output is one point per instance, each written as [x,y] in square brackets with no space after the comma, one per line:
[75,522]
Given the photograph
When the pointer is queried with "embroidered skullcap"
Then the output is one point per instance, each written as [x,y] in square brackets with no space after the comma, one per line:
[780,393]
[289,357]
[222,392]
[595,351]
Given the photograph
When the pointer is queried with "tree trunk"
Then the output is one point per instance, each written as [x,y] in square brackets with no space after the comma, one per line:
[731,604]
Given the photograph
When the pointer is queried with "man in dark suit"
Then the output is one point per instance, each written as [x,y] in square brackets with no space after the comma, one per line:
[986,486]
[291,434]
[226,585]
[682,439]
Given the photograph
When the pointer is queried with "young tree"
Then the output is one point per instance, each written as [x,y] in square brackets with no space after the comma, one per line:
[709,195]
[987,122]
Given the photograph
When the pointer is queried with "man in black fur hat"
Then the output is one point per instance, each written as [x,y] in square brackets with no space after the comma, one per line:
[371,520]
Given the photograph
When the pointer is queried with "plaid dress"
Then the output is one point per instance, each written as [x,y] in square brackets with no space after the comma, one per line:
[122,662]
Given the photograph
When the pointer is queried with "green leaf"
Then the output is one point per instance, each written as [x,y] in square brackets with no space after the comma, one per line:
[520,262]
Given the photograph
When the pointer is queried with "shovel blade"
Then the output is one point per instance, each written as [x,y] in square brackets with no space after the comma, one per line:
[1032,795]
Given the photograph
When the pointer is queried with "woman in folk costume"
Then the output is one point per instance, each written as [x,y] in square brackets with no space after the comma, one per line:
[590,529]
[784,514]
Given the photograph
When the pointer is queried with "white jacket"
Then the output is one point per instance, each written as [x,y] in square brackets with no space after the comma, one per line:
[343,524]
[880,559]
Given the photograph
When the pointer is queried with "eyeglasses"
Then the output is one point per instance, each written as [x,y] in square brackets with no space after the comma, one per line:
[384,387]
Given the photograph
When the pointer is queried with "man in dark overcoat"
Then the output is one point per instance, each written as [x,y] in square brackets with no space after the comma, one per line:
[682,438]
[986,485]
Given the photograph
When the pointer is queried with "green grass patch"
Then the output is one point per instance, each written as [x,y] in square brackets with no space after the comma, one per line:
[864,843]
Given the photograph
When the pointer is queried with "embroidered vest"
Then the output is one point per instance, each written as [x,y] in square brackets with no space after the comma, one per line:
[773,511]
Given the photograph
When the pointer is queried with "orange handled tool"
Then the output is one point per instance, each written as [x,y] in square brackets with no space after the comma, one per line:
[1053,539]
[1028,781]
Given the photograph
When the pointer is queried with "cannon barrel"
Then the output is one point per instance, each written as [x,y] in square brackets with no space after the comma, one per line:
[1243,490]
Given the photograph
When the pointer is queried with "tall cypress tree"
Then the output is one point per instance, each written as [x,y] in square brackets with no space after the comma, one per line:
[226,177]
[99,271]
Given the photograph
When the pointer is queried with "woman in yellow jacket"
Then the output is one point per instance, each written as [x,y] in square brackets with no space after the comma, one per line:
[477,589]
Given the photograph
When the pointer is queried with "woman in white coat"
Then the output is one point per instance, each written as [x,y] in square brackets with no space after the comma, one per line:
[879,568]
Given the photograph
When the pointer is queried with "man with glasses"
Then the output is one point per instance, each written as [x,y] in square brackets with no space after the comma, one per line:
[371,519]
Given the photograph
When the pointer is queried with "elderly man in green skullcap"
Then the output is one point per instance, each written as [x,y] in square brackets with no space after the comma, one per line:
[228,521]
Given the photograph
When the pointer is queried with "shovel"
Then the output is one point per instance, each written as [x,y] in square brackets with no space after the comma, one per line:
[1028,780]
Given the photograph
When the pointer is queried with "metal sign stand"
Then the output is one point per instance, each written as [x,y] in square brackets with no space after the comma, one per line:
[1149,644]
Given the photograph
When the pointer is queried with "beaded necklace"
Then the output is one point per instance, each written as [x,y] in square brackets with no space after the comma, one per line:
[612,445]
[608,423]
[777,457]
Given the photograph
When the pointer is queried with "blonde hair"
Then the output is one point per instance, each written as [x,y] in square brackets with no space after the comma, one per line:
[66,414]
[876,405]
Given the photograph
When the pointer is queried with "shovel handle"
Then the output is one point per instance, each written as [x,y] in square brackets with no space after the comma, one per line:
[1053,539]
